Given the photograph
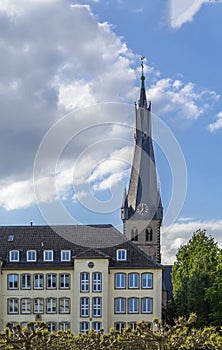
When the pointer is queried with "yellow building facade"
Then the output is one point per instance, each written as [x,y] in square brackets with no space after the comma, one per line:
[71,286]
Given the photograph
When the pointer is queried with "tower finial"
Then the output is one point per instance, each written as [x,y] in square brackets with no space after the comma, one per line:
[142,59]
[142,76]
[142,100]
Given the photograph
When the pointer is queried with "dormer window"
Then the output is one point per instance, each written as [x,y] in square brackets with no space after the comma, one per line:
[121,255]
[14,255]
[48,255]
[65,255]
[10,238]
[31,255]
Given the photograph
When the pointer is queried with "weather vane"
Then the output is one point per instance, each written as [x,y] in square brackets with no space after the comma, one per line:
[142,59]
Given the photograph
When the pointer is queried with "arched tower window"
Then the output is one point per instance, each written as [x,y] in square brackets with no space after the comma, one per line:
[134,234]
[149,234]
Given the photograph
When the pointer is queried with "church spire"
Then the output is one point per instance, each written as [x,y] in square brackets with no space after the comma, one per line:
[142,207]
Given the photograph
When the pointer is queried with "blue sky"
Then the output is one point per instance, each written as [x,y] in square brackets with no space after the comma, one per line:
[70,73]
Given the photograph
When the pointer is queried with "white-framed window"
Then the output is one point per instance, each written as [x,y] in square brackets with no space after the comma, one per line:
[147,306]
[133,280]
[84,282]
[51,281]
[84,307]
[38,306]
[132,325]
[96,326]
[25,281]
[97,282]
[121,255]
[13,306]
[64,326]
[14,255]
[133,305]
[25,305]
[13,281]
[31,255]
[120,280]
[38,281]
[64,305]
[52,326]
[84,327]
[120,306]
[65,255]
[51,305]
[147,280]
[48,255]
[97,307]
[119,326]
[64,281]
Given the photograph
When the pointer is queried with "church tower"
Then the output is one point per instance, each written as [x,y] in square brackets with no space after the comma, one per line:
[141,210]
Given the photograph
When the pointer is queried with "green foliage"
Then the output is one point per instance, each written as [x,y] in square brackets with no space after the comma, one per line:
[195,279]
[181,336]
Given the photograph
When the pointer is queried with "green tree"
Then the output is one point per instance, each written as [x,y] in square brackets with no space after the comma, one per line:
[193,274]
[213,294]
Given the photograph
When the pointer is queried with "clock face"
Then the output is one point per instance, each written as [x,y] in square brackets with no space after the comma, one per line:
[142,209]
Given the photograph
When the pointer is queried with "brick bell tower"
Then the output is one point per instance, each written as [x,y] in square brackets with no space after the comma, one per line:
[142,210]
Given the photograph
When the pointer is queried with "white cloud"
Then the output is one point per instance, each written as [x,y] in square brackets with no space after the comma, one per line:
[185,101]
[179,233]
[48,67]
[184,11]
[217,124]
[11,194]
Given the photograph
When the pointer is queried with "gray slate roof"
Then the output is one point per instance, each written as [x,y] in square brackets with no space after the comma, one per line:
[89,241]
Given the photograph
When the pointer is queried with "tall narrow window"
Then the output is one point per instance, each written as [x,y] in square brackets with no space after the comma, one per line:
[51,306]
[64,281]
[84,307]
[38,306]
[96,326]
[133,305]
[13,306]
[147,280]
[97,307]
[38,281]
[97,282]
[147,305]
[134,234]
[25,305]
[84,327]
[51,281]
[51,326]
[13,281]
[149,234]
[64,326]
[26,281]
[64,305]
[133,280]
[120,280]
[119,326]
[84,282]
[120,306]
